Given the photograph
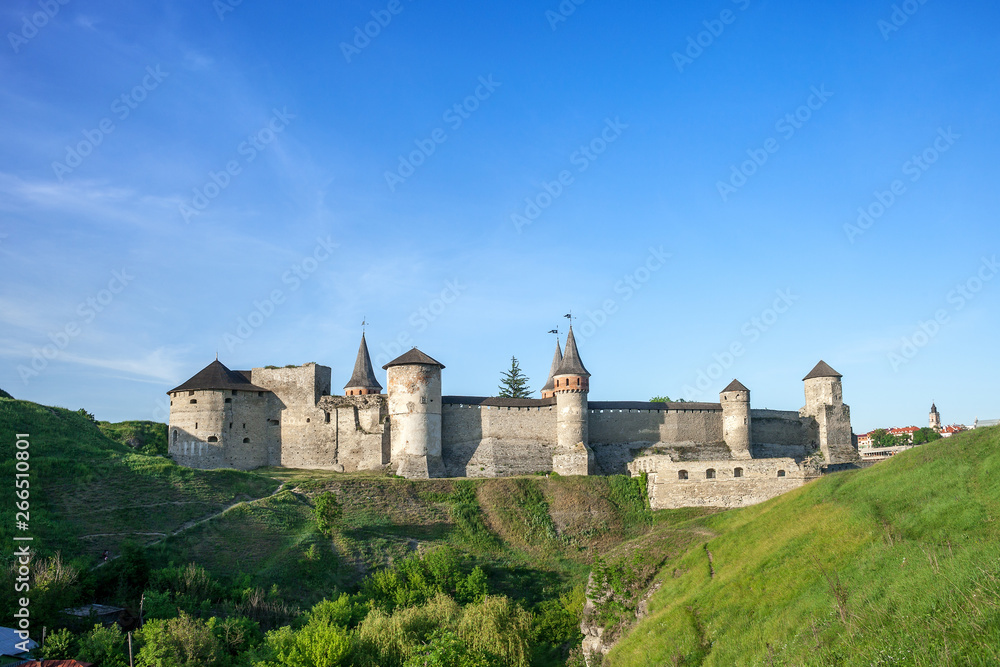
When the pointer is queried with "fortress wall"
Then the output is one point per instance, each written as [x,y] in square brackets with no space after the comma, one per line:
[308,438]
[489,441]
[298,386]
[758,482]
[776,433]
[362,438]
[619,436]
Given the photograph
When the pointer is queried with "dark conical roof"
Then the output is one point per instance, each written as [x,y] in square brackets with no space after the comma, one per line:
[413,357]
[571,364]
[822,370]
[550,384]
[363,375]
[735,385]
[933,407]
[217,376]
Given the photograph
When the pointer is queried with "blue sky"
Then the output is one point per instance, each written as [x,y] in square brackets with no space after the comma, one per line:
[685,177]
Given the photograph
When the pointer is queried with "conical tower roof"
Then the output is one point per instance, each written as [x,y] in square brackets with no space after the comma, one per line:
[735,385]
[414,357]
[217,376]
[363,376]
[550,384]
[822,370]
[571,363]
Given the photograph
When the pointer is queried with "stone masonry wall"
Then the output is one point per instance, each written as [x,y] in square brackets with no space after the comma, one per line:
[688,484]
[362,433]
[489,441]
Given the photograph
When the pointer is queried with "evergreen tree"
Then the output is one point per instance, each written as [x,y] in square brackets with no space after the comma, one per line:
[513,383]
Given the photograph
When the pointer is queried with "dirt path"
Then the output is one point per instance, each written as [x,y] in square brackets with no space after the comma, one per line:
[186,526]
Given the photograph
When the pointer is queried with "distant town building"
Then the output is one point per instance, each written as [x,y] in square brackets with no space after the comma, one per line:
[949,431]
[935,418]
[983,423]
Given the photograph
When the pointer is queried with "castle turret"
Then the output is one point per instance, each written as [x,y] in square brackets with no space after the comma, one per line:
[571,382]
[825,403]
[363,381]
[548,391]
[935,418]
[415,415]
[735,401]
[219,419]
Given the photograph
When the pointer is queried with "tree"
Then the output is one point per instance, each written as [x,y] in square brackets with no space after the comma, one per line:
[328,513]
[58,646]
[178,642]
[104,646]
[514,383]
[882,438]
[925,435]
[660,399]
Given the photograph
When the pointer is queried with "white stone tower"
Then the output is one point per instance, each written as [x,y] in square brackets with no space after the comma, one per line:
[935,418]
[825,403]
[573,455]
[414,381]
[735,401]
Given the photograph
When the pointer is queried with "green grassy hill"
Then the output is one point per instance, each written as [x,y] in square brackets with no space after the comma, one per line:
[898,564]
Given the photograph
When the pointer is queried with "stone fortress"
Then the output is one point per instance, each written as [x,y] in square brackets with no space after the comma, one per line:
[722,454]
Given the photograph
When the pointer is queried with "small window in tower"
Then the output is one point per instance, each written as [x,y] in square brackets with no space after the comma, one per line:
[578,382]
[212,438]
[196,426]
[259,394]
[246,440]
[193,401]
[230,425]
[737,472]
[781,473]
[273,422]
[682,474]
[190,393]
[710,474]
[175,436]
[235,393]
[244,426]
[326,417]
[229,400]
[423,399]
[308,420]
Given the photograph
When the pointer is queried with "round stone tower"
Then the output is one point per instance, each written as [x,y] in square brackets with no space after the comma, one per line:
[735,401]
[414,381]
[571,385]
[825,404]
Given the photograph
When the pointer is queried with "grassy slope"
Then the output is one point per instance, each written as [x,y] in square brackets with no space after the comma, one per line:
[896,564]
[90,493]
